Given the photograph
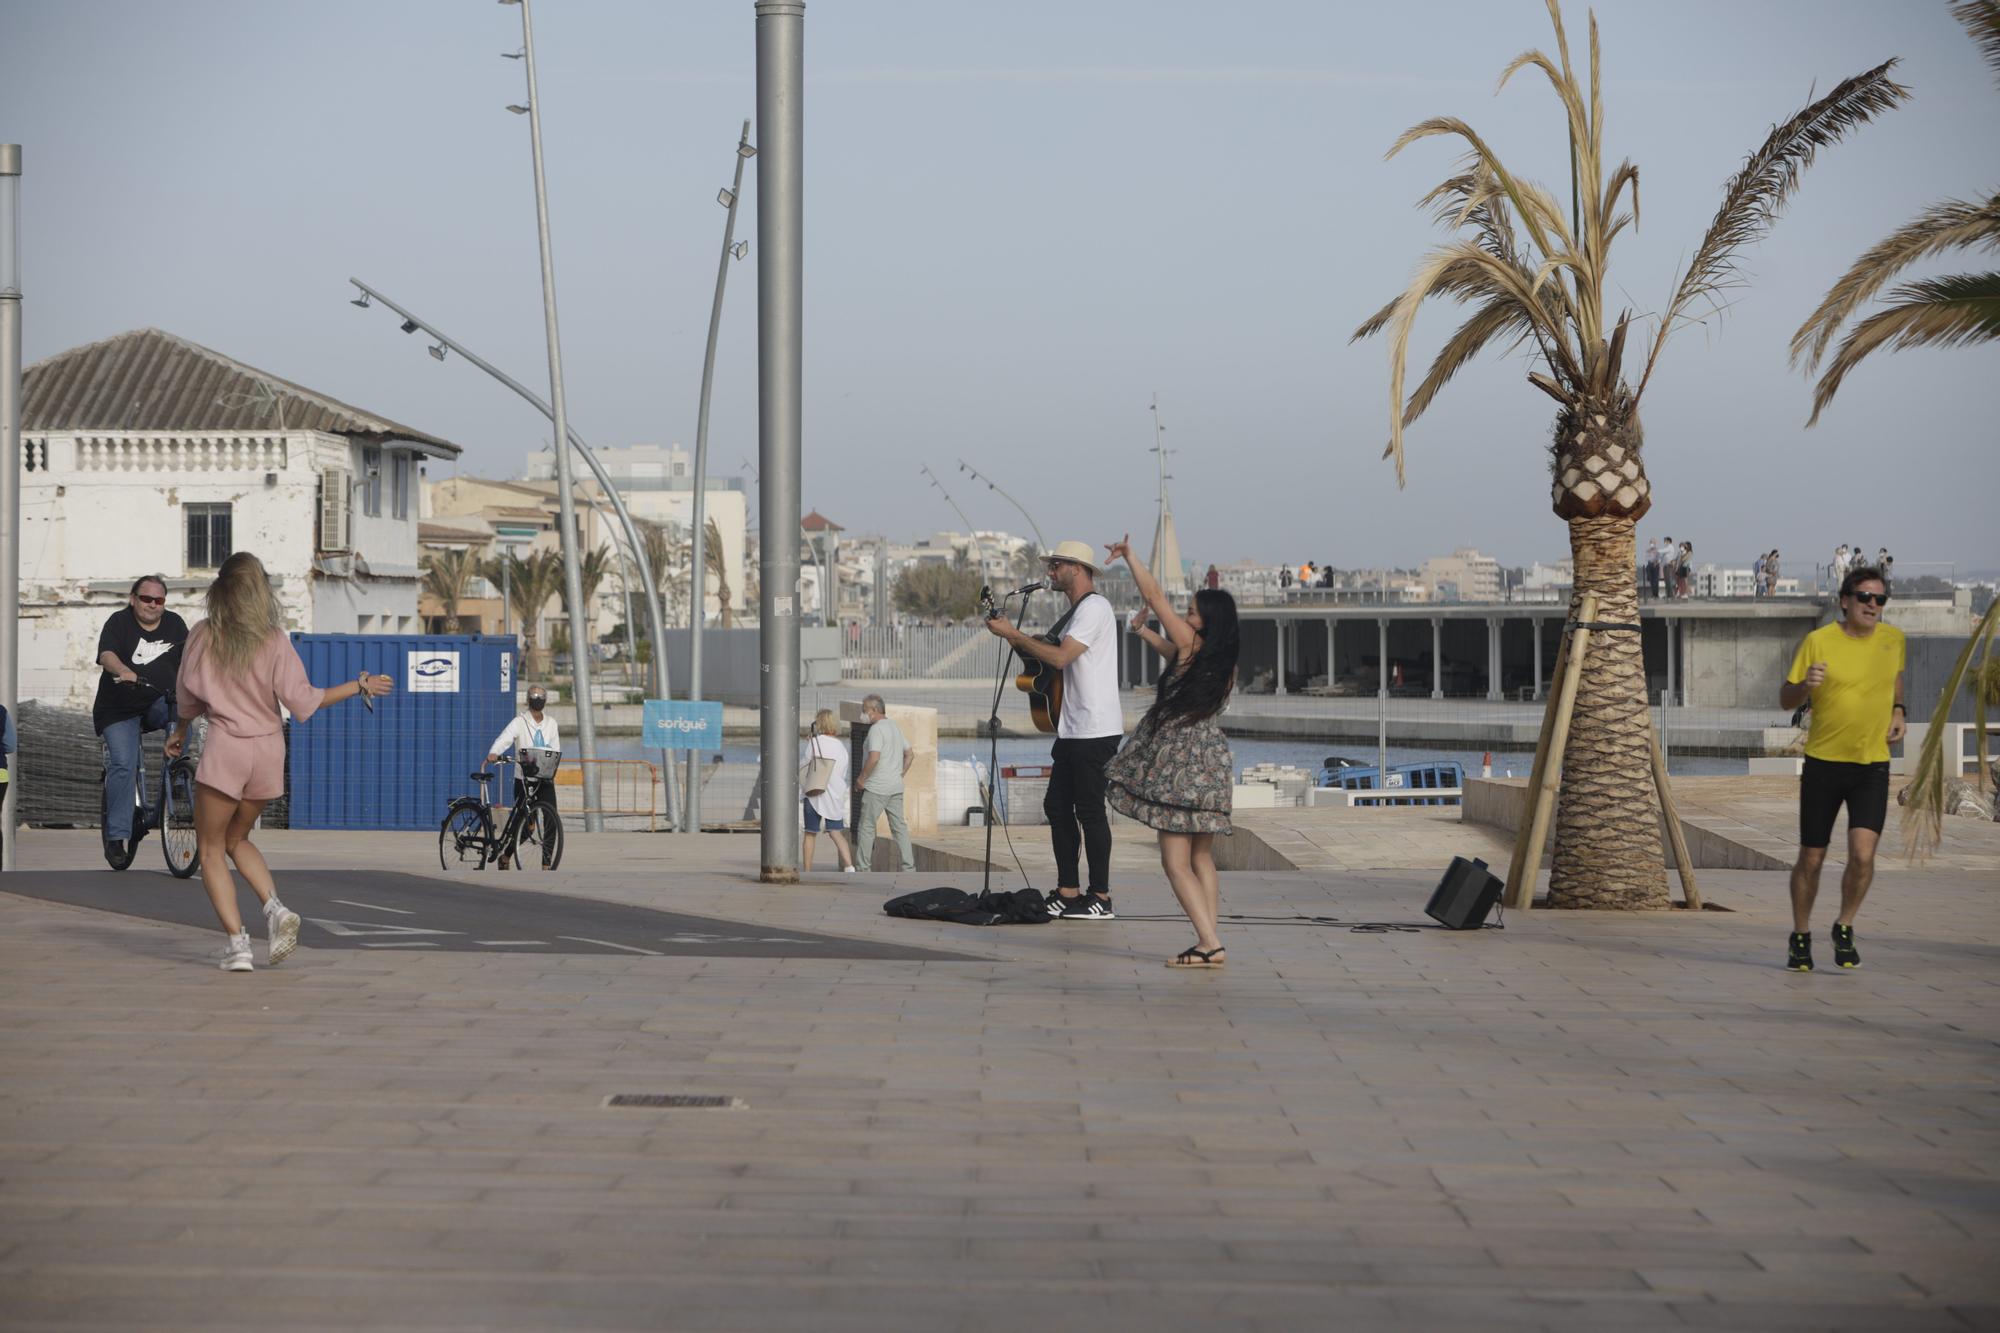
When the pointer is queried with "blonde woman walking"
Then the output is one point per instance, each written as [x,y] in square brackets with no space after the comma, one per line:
[826,810]
[238,668]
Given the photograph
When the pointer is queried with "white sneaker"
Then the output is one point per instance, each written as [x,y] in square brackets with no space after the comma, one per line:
[847,870]
[281,930]
[235,956]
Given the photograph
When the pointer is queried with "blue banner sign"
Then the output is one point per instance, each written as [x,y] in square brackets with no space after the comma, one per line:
[673,725]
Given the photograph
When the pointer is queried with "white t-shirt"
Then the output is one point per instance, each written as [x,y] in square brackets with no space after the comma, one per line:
[1090,683]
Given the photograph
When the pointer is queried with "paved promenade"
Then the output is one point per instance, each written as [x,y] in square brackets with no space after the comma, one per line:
[1583,1121]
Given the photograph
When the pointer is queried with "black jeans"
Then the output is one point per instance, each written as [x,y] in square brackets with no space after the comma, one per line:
[1075,807]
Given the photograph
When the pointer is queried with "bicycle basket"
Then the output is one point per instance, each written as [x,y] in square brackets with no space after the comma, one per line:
[538,762]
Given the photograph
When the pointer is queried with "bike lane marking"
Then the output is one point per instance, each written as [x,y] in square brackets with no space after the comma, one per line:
[628,948]
[373,907]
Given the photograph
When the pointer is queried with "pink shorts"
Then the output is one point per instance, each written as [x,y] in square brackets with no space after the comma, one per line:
[243,768]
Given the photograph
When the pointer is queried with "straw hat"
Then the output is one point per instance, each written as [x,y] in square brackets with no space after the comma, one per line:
[1083,553]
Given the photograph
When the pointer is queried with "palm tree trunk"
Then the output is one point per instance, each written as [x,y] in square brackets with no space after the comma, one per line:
[1607,851]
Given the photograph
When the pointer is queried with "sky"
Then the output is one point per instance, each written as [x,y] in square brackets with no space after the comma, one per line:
[1022,222]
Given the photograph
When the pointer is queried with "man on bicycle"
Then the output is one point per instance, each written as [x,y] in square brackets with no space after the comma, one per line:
[530,729]
[140,652]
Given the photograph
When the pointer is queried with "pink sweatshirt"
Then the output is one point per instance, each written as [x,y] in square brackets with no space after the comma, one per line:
[245,703]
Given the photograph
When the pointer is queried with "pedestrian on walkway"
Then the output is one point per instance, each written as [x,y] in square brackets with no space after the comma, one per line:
[826,809]
[880,786]
[1684,571]
[1852,673]
[1285,577]
[1091,724]
[1213,578]
[1649,572]
[238,669]
[1175,774]
[8,746]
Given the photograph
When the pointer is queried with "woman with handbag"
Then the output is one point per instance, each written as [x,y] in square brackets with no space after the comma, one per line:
[824,781]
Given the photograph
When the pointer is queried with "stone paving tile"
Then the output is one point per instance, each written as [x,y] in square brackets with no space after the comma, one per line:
[1579,1122]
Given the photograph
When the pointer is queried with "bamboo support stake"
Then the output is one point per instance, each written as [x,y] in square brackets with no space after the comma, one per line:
[1545,792]
[1690,892]
[1522,864]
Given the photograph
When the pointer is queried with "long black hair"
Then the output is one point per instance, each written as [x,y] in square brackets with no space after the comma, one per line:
[1199,685]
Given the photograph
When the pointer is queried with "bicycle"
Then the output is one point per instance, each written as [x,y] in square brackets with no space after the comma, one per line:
[173,810]
[466,838]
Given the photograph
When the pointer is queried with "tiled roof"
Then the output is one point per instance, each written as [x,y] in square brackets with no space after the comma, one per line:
[150,380]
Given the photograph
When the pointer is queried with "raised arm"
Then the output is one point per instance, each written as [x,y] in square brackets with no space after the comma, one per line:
[1178,631]
[1153,638]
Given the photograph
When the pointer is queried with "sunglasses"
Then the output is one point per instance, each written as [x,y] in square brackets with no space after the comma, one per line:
[1871,598]
[1056,564]
[151,601]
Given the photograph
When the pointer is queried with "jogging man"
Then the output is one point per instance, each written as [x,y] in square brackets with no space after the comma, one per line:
[139,646]
[1852,672]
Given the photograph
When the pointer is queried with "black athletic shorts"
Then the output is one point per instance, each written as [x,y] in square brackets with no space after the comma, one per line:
[1825,786]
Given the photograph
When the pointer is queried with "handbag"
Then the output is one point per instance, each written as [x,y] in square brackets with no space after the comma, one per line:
[814,774]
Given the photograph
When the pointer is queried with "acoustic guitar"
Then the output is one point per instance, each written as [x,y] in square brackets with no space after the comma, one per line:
[1041,681]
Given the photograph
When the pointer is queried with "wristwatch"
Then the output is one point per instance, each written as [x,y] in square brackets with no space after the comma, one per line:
[1906,712]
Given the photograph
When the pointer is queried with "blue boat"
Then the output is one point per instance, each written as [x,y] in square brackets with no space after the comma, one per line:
[1410,779]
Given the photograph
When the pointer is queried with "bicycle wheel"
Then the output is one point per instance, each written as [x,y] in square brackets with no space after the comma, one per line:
[541,838]
[177,838]
[464,836]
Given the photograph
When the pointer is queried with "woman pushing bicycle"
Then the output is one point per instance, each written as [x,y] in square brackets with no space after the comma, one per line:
[238,668]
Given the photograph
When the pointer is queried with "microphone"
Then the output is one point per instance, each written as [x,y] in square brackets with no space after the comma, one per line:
[1036,586]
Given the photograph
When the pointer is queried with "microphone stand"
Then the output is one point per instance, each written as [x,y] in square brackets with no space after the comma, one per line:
[1007,654]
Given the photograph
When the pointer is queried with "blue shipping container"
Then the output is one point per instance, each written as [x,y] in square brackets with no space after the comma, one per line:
[400,766]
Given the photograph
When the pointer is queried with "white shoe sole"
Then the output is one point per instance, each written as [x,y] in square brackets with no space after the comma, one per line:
[241,963]
[284,937]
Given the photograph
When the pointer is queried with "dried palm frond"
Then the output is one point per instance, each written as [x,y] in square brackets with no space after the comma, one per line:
[1924,798]
[1936,312]
[1982,20]
[1756,195]
[1953,224]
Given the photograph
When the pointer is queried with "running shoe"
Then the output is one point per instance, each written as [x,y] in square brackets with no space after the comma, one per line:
[281,932]
[235,955]
[1844,952]
[1799,957]
[1083,907]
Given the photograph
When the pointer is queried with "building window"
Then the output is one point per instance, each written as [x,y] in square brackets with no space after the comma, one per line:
[401,489]
[371,484]
[208,535]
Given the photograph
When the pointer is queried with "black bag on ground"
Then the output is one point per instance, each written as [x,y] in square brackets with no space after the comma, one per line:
[1022,907]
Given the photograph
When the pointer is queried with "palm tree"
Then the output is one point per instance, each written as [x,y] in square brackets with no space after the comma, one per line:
[1538,277]
[717,568]
[446,577]
[590,573]
[663,555]
[533,582]
[1931,312]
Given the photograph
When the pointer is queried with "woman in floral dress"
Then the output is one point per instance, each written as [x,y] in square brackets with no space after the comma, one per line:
[1175,772]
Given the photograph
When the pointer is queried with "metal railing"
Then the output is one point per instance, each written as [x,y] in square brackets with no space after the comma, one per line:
[628,792]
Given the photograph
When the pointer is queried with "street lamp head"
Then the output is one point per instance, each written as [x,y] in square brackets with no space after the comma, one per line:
[409,326]
[740,249]
[517,110]
[361,300]
[745,150]
[513,55]
[725,196]
[437,352]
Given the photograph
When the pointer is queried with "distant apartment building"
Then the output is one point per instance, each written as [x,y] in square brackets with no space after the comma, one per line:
[1463,576]
[149,454]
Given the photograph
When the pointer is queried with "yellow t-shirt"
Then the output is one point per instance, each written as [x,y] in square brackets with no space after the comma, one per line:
[1851,709]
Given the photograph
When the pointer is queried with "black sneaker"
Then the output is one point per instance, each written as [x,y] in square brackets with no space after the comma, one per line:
[1084,907]
[1844,952]
[1799,957]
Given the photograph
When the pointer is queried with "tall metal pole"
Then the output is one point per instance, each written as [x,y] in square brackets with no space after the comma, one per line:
[10,465]
[698,547]
[781,41]
[579,650]
[655,628]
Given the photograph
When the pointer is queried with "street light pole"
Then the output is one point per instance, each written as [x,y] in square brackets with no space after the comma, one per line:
[586,724]
[10,466]
[1041,542]
[654,628]
[780,314]
[698,551]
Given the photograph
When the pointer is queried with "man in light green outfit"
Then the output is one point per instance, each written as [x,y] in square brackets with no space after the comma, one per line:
[880,784]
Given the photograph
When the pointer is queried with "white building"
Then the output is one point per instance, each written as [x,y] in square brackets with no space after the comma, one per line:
[1463,576]
[149,454]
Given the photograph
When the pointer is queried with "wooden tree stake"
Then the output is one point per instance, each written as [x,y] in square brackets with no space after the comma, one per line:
[1690,892]
[1522,863]
[1523,890]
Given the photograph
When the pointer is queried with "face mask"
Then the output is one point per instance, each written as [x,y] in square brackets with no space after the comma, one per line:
[537,703]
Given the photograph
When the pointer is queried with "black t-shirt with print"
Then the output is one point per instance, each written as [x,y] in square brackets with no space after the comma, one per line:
[154,654]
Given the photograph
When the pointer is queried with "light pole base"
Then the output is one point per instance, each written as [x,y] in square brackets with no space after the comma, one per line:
[778,875]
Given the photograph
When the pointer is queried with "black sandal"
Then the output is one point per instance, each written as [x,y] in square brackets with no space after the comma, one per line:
[1196,958]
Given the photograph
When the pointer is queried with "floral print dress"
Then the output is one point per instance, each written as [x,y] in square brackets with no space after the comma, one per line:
[1177,778]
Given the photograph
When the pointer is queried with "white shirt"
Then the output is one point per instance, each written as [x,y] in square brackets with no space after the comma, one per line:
[831,803]
[525,731]
[1090,683]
